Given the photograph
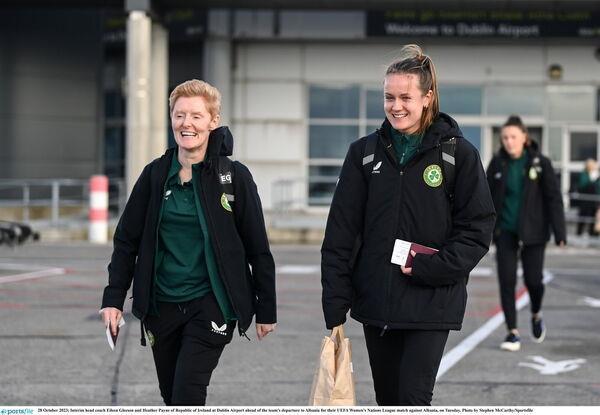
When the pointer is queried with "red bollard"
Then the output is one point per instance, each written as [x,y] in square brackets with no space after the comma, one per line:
[98,229]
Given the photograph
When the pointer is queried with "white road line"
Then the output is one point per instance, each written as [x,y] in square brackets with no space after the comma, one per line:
[482,272]
[43,273]
[298,269]
[315,269]
[21,267]
[472,341]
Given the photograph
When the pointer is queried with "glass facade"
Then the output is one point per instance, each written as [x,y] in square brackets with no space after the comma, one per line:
[466,100]
[338,115]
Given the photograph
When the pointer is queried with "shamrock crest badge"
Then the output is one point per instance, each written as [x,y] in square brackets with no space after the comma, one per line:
[432,175]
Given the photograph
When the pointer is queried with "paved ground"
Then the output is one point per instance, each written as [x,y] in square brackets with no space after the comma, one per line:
[53,348]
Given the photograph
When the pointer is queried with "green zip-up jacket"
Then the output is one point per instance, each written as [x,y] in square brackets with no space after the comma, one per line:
[237,236]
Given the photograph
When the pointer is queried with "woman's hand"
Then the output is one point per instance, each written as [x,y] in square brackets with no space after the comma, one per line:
[263,329]
[112,316]
[408,270]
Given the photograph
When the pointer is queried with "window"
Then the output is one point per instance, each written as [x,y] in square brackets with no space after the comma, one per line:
[521,100]
[535,133]
[572,103]
[375,105]
[464,100]
[473,134]
[337,117]
[114,151]
[334,102]
[584,145]
[114,134]
[321,184]
[555,144]
[331,141]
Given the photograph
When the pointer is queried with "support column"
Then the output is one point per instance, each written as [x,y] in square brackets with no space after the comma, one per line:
[218,60]
[139,41]
[159,89]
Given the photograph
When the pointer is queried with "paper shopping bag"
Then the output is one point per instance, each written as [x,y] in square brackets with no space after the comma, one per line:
[333,383]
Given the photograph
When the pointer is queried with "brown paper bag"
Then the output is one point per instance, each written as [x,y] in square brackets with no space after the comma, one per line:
[333,383]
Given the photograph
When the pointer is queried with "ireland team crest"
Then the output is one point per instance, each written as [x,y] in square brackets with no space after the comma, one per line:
[225,202]
[433,175]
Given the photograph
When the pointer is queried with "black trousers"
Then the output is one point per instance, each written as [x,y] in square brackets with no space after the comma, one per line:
[187,341]
[404,364]
[588,214]
[532,258]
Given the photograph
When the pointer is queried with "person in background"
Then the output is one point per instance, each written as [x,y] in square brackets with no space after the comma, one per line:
[198,257]
[588,185]
[399,191]
[528,204]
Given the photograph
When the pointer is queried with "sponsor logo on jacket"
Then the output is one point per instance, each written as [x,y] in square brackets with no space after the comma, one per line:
[219,330]
[376,168]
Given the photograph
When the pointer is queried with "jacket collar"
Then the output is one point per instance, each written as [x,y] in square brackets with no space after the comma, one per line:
[220,143]
[444,126]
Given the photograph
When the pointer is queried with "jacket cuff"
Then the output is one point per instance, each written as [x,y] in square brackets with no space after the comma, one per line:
[266,317]
[330,324]
[113,297]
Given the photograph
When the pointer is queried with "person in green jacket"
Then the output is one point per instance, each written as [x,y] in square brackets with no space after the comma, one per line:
[588,186]
[528,204]
[199,265]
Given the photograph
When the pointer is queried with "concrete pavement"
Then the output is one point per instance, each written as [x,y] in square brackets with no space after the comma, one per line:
[53,348]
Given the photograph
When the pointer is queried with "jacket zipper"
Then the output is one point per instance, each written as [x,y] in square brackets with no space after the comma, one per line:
[387,149]
[160,211]
[397,217]
[217,247]
[524,200]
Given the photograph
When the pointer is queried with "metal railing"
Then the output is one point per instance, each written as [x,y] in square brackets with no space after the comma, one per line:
[54,194]
[293,195]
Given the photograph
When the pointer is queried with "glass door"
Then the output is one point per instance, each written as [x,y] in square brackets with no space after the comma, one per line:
[582,144]
[535,133]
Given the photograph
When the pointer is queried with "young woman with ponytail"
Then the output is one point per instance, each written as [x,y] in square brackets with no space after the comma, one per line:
[528,203]
[399,191]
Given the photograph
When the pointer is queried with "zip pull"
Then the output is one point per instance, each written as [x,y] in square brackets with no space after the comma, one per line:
[246,336]
[383,331]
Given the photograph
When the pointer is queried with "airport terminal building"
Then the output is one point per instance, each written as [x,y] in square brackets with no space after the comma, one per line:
[300,80]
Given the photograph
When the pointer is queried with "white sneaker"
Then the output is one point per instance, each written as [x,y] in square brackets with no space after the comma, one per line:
[511,343]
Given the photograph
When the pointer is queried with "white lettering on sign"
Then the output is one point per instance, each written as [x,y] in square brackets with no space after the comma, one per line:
[548,367]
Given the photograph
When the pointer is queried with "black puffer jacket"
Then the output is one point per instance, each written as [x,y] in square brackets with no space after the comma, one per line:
[396,203]
[239,239]
[541,207]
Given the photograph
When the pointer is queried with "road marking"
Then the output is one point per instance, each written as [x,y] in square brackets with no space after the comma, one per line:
[482,272]
[298,269]
[472,341]
[592,302]
[548,367]
[20,267]
[315,269]
[576,272]
[41,273]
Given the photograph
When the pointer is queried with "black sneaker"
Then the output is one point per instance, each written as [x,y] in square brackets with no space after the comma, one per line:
[511,343]
[538,330]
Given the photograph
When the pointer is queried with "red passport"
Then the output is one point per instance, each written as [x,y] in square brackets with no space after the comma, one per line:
[402,256]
